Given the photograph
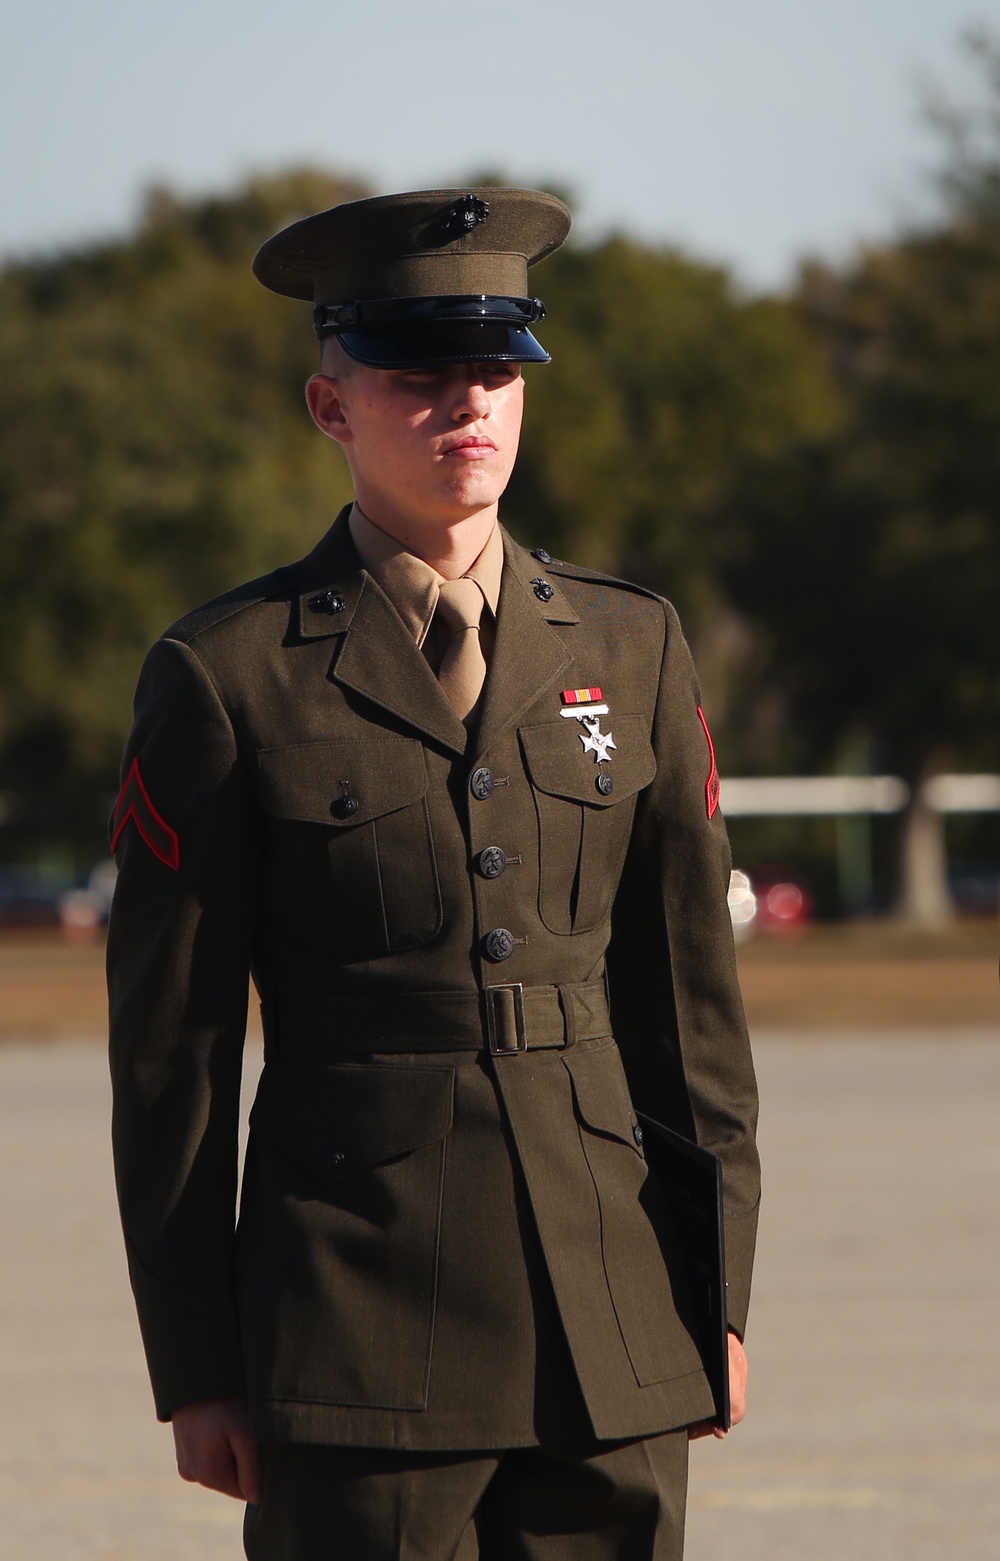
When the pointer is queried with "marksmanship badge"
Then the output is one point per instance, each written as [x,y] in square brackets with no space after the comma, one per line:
[586,706]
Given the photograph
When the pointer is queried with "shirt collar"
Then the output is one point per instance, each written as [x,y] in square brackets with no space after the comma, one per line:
[411,584]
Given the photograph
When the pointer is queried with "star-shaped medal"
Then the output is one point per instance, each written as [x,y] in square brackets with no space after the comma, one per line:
[597,742]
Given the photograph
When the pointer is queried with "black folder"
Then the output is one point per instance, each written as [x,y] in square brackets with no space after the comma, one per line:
[692,1179]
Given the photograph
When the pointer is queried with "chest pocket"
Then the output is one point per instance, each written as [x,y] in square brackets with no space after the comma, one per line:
[583,828]
[351,841]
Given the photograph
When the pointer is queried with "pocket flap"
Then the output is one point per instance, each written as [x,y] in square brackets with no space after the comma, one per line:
[345,1117]
[601,1093]
[559,764]
[341,783]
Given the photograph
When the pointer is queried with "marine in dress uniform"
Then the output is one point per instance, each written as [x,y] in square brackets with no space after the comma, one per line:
[485,914]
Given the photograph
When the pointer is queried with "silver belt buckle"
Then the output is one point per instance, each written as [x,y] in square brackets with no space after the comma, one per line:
[498,1041]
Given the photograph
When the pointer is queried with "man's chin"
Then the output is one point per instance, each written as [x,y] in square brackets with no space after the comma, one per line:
[473,491]
[468,500]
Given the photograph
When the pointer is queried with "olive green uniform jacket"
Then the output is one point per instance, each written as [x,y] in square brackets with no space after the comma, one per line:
[439,1246]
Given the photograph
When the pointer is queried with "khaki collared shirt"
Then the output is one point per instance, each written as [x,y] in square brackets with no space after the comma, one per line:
[412,585]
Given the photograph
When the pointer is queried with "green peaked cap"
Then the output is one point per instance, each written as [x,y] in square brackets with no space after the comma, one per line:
[415,245]
[429,276]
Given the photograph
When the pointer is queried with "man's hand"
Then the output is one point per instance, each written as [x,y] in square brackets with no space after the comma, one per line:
[215,1448]
[738,1370]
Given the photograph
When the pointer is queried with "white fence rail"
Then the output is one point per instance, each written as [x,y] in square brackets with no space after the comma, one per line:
[784,796]
[963,793]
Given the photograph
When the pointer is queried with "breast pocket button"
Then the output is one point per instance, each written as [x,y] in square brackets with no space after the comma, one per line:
[343,807]
[605,785]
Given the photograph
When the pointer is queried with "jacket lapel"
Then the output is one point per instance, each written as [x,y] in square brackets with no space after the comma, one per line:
[375,655]
[528,655]
[379,659]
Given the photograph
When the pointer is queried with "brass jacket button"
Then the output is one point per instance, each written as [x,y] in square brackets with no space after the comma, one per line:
[605,784]
[492,861]
[499,944]
[481,784]
[542,554]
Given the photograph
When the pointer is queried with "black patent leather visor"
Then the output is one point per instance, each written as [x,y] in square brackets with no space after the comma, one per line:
[429,346]
[395,333]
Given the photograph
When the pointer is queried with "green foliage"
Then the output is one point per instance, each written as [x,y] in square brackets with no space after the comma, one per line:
[874,559]
[154,450]
[666,388]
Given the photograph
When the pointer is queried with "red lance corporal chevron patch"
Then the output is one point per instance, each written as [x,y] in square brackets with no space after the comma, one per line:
[134,803]
[713,785]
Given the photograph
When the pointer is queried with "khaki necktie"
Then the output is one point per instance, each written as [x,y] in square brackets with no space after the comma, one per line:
[463,666]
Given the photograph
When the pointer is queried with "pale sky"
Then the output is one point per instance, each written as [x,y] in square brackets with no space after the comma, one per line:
[745,130]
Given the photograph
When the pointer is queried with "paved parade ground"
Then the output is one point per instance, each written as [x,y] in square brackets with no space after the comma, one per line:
[874,1432]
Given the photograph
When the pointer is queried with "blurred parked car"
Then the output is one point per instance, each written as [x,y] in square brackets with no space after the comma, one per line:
[975,888]
[742,905]
[768,900]
[83,912]
[25,902]
[784,903]
[31,902]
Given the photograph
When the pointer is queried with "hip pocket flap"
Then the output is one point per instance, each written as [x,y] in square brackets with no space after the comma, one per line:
[347,1117]
[600,1092]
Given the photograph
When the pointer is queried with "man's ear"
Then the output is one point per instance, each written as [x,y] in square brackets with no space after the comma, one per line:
[326,407]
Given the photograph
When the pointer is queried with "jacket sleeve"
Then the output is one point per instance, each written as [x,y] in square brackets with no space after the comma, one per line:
[676,1007]
[179,948]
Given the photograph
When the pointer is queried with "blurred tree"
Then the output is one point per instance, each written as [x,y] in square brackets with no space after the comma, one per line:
[667,389]
[874,559]
[969,177]
[153,451]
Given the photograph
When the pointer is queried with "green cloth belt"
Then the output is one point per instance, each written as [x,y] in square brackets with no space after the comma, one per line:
[557,1015]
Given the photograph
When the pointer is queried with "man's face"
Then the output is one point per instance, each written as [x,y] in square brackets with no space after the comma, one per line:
[438,444]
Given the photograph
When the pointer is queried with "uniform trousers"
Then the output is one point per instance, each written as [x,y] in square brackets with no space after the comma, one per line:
[595,1501]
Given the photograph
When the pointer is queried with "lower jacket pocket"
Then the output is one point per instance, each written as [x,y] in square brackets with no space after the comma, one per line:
[339,1232]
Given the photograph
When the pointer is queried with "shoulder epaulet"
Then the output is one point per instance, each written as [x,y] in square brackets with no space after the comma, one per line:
[577,572]
[264,588]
